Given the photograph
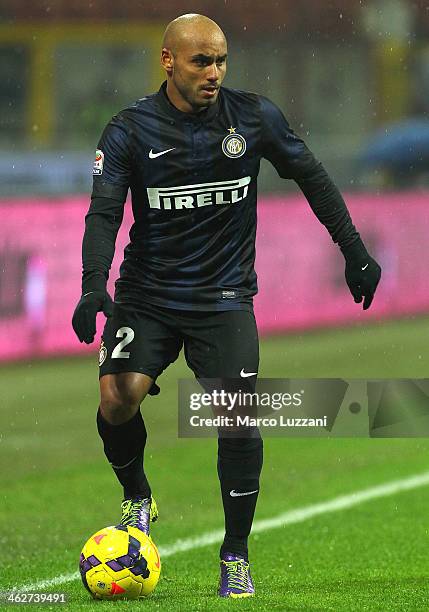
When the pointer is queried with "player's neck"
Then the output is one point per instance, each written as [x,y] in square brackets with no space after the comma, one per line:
[179,102]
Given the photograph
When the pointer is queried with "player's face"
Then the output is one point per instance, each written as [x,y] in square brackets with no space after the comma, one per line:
[197,71]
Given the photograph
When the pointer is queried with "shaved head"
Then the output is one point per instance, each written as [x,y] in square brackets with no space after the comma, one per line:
[194,52]
[191,26]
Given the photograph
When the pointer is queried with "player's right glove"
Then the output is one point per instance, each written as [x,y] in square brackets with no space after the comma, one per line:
[362,273]
[85,314]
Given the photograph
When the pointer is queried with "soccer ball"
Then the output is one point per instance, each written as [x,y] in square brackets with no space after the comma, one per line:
[119,563]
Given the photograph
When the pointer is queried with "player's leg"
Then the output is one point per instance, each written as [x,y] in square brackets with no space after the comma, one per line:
[136,348]
[224,345]
[122,429]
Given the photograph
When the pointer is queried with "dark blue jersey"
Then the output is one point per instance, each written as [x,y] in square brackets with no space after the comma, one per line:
[193,182]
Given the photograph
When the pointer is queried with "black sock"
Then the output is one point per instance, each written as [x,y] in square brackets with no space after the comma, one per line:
[239,467]
[124,447]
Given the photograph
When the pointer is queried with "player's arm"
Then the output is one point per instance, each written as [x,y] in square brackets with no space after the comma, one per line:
[112,168]
[293,160]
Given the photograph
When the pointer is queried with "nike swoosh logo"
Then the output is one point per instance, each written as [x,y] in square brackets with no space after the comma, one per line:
[234,493]
[365,267]
[153,155]
[244,374]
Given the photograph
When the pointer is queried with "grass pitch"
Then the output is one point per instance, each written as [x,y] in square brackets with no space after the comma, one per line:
[56,487]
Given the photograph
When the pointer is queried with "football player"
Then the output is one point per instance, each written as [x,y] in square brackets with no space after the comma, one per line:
[190,155]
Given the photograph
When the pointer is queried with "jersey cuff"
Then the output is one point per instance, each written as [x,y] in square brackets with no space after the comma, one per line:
[93,281]
[355,251]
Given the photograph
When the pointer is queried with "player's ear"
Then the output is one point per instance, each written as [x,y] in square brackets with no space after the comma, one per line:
[167,60]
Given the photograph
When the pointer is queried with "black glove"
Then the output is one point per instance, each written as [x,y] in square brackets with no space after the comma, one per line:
[154,390]
[362,273]
[85,313]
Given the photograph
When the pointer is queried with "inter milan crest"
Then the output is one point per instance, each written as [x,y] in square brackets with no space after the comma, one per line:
[233,145]
[102,354]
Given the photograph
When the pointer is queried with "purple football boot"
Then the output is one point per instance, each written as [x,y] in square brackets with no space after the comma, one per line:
[235,579]
[139,512]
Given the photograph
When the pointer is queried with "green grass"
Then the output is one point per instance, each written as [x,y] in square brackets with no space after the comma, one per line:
[56,487]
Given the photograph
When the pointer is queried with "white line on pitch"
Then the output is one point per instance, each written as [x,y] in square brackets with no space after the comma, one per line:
[286,518]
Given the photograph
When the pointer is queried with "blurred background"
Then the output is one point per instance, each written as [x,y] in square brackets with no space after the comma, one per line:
[347,74]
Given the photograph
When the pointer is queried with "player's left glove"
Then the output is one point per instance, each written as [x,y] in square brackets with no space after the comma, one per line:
[362,273]
[85,314]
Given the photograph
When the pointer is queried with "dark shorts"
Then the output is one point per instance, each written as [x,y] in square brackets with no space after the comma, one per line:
[216,344]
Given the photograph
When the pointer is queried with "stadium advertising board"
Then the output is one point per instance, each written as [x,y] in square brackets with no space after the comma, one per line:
[300,272]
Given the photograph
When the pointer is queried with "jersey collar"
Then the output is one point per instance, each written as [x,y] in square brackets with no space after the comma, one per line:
[179,115]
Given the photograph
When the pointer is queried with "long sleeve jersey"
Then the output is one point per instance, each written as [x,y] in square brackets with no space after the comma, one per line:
[193,183]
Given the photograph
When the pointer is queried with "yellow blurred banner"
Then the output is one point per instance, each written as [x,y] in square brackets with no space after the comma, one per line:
[43,41]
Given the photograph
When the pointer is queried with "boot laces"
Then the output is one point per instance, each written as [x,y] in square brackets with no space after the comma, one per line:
[237,574]
[132,511]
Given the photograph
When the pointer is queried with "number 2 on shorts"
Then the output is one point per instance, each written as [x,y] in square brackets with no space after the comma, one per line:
[128,336]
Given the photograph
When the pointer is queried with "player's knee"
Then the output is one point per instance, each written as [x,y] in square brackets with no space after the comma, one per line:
[121,396]
[113,404]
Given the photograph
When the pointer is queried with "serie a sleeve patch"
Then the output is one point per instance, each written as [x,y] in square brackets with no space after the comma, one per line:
[98,162]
